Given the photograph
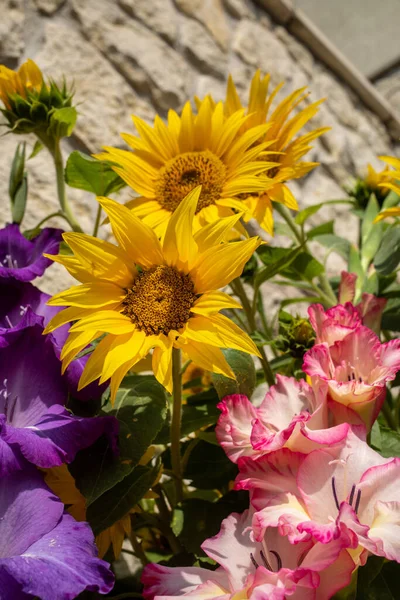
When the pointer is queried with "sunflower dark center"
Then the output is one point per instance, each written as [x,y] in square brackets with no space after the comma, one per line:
[182,174]
[160,300]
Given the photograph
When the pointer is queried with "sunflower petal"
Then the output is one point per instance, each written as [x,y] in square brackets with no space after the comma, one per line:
[214,233]
[213,302]
[94,365]
[137,239]
[90,295]
[66,316]
[219,265]
[100,259]
[162,364]
[209,358]
[124,348]
[179,246]
[106,321]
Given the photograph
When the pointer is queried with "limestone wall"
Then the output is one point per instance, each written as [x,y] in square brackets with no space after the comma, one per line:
[145,56]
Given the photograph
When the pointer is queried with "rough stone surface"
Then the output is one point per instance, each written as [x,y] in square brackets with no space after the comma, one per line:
[11,30]
[211,14]
[146,56]
[200,47]
[48,7]
[158,15]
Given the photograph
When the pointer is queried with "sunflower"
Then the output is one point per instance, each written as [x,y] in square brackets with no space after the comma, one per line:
[170,160]
[28,78]
[280,138]
[144,294]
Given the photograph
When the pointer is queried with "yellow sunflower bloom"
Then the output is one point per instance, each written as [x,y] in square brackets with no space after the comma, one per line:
[280,138]
[170,160]
[28,77]
[144,294]
[387,179]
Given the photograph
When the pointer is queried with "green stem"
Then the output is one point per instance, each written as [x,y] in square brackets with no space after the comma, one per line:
[176,423]
[97,222]
[62,197]
[328,292]
[50,216]
[387,413]
[238,287]
[139,552]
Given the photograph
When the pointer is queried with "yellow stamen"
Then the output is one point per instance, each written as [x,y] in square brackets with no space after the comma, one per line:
[182,174]
[160,300]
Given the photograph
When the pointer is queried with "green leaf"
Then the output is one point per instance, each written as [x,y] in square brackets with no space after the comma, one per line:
[390,442]
[114,504]
[371,285]
[371,244]
[141,410]
[371,211]
[201,410]
[303,267]
[304,214]
[208,467]
[376,440]
[324,229]
[87,173]
[38,147]
[243,367]
[18,184]
[20,199]
[62,122]
[377,582]
[202,519]
[276,259]
[334,243]
[354,266]
[392,199]
[388,256]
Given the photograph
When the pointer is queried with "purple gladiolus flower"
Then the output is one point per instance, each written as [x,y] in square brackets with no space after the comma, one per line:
[16,298]
[32,397]
[44,552]
[23,259]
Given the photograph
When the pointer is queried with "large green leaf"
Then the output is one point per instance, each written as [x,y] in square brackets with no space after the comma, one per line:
[87,173]
[390,442]
[371,211]
[200,519]
[303,267]
[334,243]
[377,582]
[276,259]
[388,256]
[141,410]
[208,467]
[243,366]
[114,504]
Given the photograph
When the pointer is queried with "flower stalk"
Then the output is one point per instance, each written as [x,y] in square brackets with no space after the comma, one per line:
[176,423]
[62,197]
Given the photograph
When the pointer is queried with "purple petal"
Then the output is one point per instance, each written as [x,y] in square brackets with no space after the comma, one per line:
[58,436]
[28,510]
[23,259]
[30,375]
[61,564]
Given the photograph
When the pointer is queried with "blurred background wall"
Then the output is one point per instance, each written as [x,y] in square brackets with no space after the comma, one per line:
[146,56]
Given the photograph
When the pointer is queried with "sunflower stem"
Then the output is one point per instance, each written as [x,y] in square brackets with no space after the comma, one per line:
[176,423]
[139,552]
[55,151]
[97,222]
[238,288]
[328,293]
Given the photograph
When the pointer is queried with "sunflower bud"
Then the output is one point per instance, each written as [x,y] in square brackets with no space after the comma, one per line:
[373,183]
[296,335]
[32,105]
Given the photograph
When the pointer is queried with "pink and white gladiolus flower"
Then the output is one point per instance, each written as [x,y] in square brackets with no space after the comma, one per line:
[271,568]
[348,489]
[370,308]
[291,416]
[355,370]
